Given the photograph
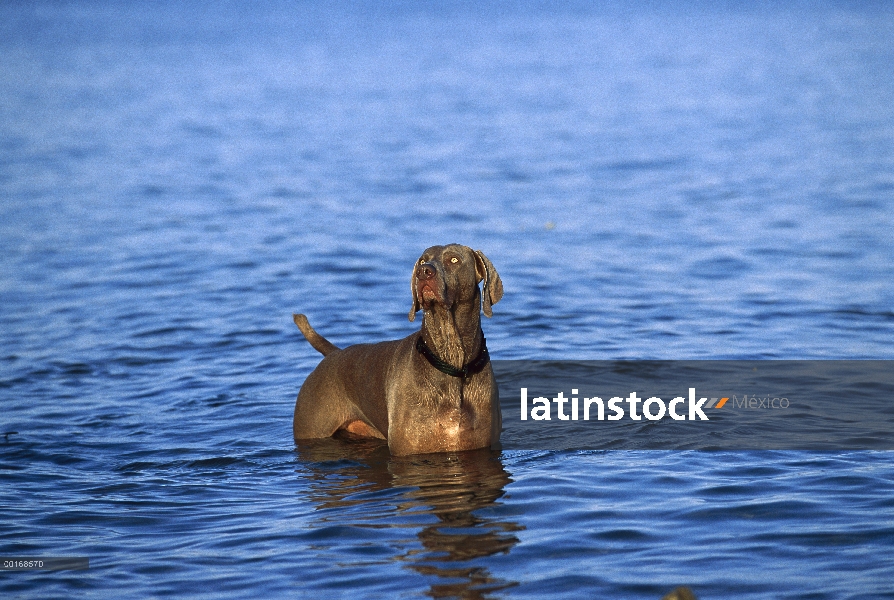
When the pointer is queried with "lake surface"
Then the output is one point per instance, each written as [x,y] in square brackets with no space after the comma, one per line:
[652,181]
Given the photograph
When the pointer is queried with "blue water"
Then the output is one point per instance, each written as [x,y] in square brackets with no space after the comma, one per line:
[651,180]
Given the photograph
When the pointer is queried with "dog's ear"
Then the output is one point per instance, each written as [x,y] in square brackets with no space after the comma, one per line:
[416,305]
[492,290]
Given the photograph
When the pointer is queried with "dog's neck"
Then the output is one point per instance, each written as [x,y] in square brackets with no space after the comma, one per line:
[454,334]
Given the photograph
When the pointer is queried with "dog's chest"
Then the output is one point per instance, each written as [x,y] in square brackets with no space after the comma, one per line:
[452,418]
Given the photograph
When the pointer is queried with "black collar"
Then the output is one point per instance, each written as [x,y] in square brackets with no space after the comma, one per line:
[475,366]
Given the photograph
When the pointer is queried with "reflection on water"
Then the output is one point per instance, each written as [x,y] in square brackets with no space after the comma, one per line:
[453,488]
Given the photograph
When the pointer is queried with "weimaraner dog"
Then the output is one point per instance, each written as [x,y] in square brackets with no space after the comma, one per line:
[433,391]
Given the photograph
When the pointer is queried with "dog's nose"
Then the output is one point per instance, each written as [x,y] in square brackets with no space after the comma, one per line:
[425,271]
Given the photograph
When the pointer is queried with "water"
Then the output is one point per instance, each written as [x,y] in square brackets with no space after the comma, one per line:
[679,181]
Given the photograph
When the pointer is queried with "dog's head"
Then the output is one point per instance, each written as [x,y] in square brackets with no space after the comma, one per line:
[448,275]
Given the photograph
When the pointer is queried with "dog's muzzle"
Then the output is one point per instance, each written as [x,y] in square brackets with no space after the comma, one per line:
[429,287]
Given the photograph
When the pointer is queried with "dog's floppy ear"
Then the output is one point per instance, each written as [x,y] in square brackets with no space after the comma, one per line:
[492,290]
[416,305]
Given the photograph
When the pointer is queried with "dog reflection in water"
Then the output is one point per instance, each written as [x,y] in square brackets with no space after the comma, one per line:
[451,487]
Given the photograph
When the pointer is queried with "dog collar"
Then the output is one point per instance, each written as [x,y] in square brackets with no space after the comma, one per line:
[474,366]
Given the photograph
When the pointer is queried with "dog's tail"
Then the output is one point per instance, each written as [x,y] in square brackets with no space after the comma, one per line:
[320,344]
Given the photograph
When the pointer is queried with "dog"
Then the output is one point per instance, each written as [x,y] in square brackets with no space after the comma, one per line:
[434,390]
